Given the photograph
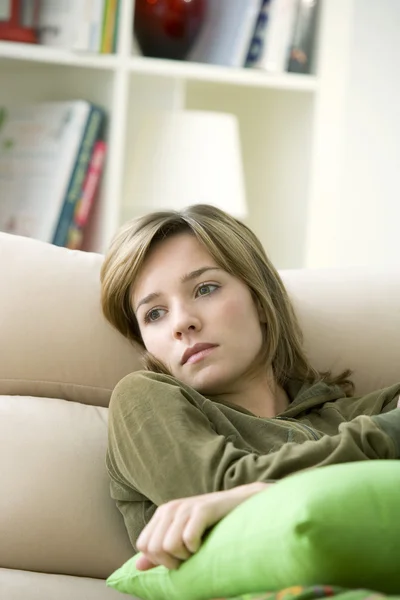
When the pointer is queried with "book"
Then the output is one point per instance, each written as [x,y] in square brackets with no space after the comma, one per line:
[69,24]
[256,47]
[109,26]
[226,34]
[60,24]
[116,27]
[303,43]
[82,25]
[39,145]
[96,30]
[91,134]
[278,36]
[89,192]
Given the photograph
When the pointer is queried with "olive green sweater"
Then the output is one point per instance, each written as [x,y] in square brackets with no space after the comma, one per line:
[167,441]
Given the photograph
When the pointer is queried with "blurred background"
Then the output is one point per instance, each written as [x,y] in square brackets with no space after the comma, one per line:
[284,113]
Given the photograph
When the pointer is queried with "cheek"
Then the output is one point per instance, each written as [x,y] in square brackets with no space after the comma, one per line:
[237,311]
[148,339]
[154,342]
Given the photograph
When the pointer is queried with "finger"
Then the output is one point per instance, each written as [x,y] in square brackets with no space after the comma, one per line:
[173,542]
[147,532]
[144,564]
[162,559]
[200,519]
[151,544]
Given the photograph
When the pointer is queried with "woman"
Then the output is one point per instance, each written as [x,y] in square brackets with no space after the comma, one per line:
[229,402]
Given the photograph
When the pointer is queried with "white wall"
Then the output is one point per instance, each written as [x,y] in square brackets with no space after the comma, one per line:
[372,136]
[354,212]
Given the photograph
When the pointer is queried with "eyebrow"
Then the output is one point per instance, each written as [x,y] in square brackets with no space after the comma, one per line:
[184,279]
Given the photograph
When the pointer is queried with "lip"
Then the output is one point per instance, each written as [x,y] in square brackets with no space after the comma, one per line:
[196,349]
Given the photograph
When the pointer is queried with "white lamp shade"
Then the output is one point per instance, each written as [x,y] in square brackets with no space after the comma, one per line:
[187,157]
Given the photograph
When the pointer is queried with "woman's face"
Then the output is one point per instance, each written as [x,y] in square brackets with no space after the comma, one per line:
[200,321]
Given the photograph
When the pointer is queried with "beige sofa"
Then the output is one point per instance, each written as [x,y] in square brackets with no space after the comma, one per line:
[60,533]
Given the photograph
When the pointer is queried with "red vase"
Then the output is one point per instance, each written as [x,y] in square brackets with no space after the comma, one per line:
[168,28]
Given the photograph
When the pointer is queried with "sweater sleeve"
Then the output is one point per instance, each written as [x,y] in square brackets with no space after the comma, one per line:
[374,403]
[163,445]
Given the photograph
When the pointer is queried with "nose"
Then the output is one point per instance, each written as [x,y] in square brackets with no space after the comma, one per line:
[185,321]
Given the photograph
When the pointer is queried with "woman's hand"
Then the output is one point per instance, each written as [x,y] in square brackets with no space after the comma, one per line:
[176,529]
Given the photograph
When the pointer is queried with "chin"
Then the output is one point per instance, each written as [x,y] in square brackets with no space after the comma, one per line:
[209,381]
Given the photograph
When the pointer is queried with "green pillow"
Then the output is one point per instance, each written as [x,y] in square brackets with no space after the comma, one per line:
[336,525]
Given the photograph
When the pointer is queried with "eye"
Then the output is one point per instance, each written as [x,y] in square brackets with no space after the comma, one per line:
[153,315]
[206,288]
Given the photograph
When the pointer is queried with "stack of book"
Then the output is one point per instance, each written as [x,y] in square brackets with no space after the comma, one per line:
[276,36]
[83,25]
[51,160]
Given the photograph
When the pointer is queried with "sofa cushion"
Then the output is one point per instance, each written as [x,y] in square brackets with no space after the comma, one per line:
[23,585]
[54,340]
[56,514]
[351,319]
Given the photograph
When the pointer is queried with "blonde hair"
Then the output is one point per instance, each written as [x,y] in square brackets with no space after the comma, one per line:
[235,248]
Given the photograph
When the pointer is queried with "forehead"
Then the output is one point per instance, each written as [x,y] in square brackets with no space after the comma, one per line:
[171,259]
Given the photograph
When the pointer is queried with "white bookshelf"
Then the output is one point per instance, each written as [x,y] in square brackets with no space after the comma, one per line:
[190,71]
[279,115]
[36,54]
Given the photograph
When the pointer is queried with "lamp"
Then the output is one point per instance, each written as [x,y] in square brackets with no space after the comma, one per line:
[187,157]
